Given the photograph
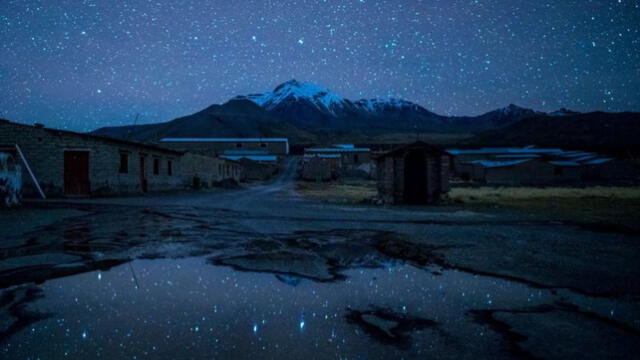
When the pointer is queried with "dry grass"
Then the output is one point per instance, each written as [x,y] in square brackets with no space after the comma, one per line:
[510,194]
[351,192]
[619,206]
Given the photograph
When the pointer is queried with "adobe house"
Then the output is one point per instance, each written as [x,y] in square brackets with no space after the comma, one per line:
[204,171]
[351,156]
[256,170]
[320,167]
[416,173]
[67,163]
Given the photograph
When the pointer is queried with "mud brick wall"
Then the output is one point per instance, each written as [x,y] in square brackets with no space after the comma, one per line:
[391,177]
[207,169]
[44,150]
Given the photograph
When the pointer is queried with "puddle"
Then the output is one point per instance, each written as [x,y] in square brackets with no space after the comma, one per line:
[190,309]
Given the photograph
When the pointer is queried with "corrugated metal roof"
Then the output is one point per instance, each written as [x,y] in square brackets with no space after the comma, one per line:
[246,152]
[323,156]
[336,150]
[518,156]
[597,161]
[584,158]
[564,163]
[576,154]
[494,164]
[251,157]
[224,140]
[505,150]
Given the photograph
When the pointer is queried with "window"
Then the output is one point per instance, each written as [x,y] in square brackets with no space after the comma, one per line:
[124,163]
[220,169]
[557,170]
[355,158]
[238,145]
[263,145]
[169,167]
[156,166]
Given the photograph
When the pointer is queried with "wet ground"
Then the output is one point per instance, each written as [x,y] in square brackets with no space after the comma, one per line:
[264,273]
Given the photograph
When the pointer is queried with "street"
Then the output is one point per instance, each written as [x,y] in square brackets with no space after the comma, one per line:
[262,272]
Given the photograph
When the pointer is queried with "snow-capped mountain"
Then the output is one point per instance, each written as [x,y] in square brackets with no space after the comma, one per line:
[379,105]
[294,91]
[312,106]
[302,110]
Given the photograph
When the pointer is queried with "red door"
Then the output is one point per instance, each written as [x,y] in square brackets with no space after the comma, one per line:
[76,173]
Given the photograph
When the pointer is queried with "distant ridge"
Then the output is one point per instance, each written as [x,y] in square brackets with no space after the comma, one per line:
[306,112]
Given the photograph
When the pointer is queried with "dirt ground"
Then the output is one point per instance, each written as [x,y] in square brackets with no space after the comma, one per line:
[274,270]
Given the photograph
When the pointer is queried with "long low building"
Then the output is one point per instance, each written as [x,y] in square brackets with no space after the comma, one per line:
[217,146]
[66,163]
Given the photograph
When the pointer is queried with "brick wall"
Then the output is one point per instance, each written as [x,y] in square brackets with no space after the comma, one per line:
[44,150]
[208,169]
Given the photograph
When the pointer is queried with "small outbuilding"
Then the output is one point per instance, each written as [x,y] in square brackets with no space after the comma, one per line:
[416,173]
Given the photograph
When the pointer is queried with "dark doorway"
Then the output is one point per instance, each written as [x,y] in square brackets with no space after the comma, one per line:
[76,173]
[143,173]
[415,178]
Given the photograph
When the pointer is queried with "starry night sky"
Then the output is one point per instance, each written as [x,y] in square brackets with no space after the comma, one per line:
[84,64]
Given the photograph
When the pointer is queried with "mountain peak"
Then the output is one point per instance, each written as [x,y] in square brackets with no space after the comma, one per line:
[294,90]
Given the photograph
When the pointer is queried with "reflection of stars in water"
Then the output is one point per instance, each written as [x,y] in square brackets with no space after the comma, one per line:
[84,334]
[301,324]
[255,328]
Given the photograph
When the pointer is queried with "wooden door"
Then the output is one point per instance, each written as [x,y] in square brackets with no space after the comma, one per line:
[415,178]
[76,173]
[143,174]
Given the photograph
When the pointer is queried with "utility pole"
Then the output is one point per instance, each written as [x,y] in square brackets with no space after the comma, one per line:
[135,121]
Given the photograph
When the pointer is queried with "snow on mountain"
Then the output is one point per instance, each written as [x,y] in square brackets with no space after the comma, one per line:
[322,99]
[375,105]
[294,90]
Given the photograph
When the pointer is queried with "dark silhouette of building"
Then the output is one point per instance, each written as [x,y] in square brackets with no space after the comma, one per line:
[416,173]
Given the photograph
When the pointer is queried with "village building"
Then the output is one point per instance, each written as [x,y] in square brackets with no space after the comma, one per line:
[337,161]
[217,146]
[351,156]
[201,171]
[66,163]
[416,173]
[256,164]
[527,172]
[602,169]
[539,166]
[253,170]
[320,167]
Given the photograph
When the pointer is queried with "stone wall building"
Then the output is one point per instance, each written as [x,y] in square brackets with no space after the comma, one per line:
[351,157]
[204,171]
[320,167]
[417,173]
[67,163]
[256,170]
